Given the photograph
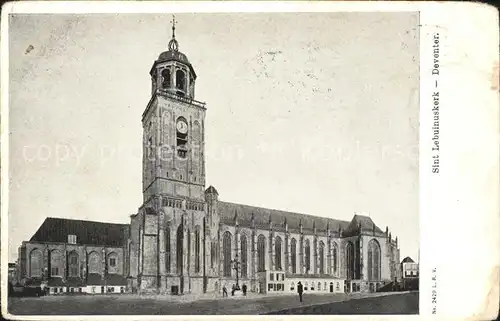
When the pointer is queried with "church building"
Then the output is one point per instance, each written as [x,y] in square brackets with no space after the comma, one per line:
[186,239]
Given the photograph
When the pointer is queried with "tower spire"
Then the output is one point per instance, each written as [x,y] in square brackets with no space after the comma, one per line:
[173,45]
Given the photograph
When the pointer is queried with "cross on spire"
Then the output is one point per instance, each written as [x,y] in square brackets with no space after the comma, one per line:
[173,26]
[173,45]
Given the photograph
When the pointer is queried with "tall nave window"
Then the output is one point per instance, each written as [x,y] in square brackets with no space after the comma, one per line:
[308,256]
[261,253]
[322,257]
[167,249]
[226,247]
[349,261]
[335,257]
[197,250]
[277,250]
[244,255]
[373,261]
[294,255]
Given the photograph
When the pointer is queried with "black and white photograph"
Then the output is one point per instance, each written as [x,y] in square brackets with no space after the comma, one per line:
[214,163]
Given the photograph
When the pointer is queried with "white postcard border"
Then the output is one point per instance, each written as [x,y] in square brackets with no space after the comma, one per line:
[458,207]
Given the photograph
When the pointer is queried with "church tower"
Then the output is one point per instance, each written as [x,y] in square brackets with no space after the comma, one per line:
[170,223]
[173,125]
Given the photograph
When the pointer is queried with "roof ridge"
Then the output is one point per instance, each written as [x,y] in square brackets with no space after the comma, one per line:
[80,220]
[284,211]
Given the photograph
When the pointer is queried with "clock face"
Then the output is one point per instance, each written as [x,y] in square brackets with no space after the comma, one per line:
[182,126]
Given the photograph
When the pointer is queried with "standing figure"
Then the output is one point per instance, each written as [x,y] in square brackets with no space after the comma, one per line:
[300,290]
[224,291]
[244,289]
[233,289]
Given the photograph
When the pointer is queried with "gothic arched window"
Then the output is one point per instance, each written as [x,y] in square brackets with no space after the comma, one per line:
[321,257]
[165,75]
[168,249]
[294,255]
[261,253]
[180,82]
[150,148]
[179,249]
[277,254]
[213,252]
[373,261]
[141,232]
[197,250]
[56,263]
[113,264]
[335,258]
[73,264]
[188,250]
[244,255]
[226,248]
[36,263]
[94,262]
[349,257]
[308,256]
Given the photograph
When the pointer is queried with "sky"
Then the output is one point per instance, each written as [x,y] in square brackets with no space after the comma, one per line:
[311,113]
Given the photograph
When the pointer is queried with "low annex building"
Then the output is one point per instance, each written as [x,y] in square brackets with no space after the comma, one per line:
[76,256]
[183,239]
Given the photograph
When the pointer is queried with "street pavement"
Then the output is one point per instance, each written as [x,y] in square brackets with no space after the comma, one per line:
[126,304]
[405,303]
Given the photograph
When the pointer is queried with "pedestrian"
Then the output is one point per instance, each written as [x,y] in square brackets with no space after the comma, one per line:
[233,289]
[224,291]
[300,290]
[244,289]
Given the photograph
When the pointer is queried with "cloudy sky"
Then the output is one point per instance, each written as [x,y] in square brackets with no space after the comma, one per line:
[312,113]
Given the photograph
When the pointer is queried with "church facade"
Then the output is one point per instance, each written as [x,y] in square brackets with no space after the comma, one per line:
[184,239]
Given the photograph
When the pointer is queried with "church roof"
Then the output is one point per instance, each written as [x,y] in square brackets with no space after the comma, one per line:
[87,232]
[363,221]
[262,218]
[407,260]
[211,190]
[173,55]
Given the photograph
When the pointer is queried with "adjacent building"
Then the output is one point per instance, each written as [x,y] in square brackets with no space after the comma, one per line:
[185,239]
[13,273]
[410,274]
